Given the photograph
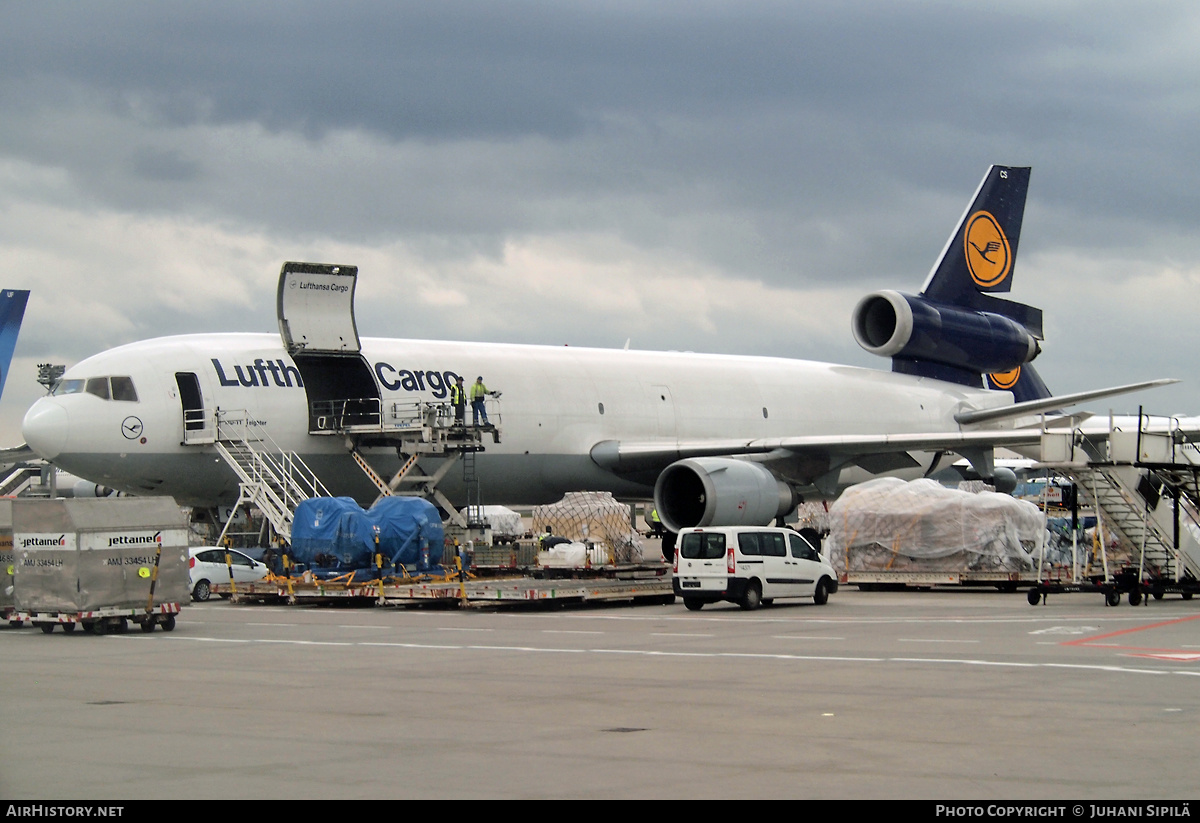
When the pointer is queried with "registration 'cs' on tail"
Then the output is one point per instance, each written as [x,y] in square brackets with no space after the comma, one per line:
[957,329]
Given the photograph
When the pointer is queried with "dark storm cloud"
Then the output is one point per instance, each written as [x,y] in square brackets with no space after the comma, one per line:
[774,107]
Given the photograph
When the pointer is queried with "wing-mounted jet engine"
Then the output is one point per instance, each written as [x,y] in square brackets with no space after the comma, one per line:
[721,491]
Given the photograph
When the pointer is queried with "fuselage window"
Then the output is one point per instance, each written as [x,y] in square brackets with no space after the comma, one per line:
[122,389]
[98,386]
[69,387]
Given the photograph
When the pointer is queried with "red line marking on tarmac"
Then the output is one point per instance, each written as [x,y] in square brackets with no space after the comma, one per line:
[1143,651]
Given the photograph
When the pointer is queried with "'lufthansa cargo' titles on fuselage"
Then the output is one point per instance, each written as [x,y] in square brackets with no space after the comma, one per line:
[281,373]
[269,373]
[437,382]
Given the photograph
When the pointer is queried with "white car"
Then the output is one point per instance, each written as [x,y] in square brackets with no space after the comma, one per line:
[206,565]
[749,566]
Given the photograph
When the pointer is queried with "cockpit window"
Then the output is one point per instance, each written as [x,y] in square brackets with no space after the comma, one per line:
[122,389]
[106,388]
[98,386]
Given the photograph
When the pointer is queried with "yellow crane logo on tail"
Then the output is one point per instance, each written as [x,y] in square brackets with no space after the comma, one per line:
[989,257]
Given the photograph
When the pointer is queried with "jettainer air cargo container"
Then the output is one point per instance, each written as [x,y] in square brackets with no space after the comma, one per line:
[99,563]
[7,603]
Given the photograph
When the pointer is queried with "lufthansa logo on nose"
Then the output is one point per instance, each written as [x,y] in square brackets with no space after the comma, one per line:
[989,256]
[131,427]
[1005,379]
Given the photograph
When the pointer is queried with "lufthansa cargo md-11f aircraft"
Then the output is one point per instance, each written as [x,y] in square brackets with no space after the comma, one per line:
[715,439]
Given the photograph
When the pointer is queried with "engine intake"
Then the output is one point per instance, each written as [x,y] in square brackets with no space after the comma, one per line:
[905,327]
[720,491]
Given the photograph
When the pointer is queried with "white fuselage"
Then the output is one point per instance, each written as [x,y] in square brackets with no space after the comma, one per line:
[558,402]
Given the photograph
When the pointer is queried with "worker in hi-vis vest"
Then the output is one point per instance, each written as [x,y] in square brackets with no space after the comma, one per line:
[458,399]
[478,393]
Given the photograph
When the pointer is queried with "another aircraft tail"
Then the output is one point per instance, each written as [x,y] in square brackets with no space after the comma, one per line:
[956,329]
[12,311]
[1024,382]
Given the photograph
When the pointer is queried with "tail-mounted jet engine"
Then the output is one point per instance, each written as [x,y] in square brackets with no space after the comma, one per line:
[720,491]
[908,328]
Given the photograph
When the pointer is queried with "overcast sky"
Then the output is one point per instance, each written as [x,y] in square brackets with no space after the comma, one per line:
[713,176]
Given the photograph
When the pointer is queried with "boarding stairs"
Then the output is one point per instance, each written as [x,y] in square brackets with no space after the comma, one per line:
[1113,489]
[20,479]
[270,478]
[1134,479]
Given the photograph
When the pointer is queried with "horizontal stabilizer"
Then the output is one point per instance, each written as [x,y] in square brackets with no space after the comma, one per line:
[1052,403]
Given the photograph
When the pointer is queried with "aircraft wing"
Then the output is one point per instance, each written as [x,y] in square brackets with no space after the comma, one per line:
[875,452]
[631,457]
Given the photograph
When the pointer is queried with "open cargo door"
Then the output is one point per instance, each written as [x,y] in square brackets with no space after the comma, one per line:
[315,304]
[316,309]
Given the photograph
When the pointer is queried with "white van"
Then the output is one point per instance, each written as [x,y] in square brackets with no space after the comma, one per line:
[748,566]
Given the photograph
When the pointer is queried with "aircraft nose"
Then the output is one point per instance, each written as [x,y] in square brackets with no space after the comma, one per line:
[45,428]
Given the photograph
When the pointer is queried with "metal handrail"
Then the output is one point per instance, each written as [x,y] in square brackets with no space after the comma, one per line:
[287,467]
[332,415]
[199,425]
[367,412]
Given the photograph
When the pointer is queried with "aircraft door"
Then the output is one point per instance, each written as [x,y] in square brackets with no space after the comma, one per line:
[197,426]
[315,306]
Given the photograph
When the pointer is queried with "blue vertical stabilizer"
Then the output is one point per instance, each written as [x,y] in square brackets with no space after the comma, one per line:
[12,311]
